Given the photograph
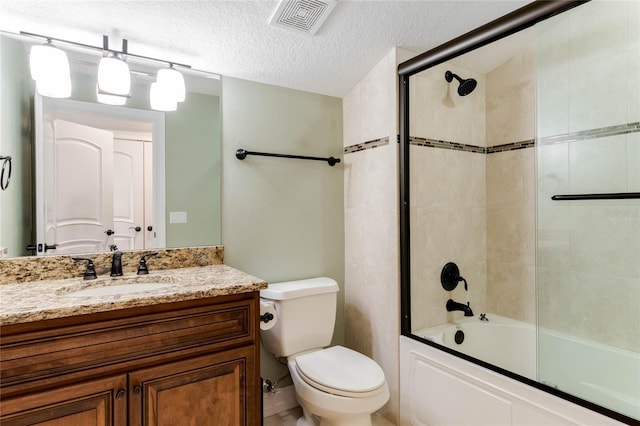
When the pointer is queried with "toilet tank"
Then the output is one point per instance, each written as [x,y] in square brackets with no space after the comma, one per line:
[306,315]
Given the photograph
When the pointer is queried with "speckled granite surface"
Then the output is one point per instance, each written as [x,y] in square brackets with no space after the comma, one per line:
[40,300]
[36,268]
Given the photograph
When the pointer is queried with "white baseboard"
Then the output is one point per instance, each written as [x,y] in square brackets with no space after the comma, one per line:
[283,399]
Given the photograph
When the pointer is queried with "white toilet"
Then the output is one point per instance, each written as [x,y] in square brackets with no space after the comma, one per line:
[335,386]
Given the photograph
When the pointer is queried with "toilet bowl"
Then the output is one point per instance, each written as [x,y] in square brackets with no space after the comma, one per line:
[335,386]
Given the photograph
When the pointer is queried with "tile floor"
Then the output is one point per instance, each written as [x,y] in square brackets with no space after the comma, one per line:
[284,418]
[289,418]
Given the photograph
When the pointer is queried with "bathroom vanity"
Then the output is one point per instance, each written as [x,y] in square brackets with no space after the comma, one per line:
[186,350]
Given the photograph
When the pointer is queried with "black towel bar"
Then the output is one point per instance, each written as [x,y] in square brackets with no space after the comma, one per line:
[241,154]
[605,196]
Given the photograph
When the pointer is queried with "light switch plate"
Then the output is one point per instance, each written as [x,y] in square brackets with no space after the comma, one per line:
[177,217]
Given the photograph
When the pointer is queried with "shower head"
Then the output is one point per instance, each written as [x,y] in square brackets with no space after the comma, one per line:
[466,86]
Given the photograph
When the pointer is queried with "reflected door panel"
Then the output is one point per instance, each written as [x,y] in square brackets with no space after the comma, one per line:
[128,194]
[149,229]
[82,189]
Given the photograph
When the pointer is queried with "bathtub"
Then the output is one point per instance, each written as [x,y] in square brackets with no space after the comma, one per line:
[602,374]
[500,341]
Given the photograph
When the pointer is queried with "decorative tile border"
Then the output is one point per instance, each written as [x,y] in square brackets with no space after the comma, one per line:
[435,143]
[530,143]
[366,145]
[511,146]
[601,132]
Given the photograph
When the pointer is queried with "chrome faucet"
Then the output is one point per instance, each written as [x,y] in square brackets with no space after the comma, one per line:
[455,306]
[116,264]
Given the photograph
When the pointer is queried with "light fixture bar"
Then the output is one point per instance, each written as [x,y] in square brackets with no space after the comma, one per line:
[105,40]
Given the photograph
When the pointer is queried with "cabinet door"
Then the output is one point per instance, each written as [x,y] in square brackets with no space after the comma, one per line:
[217,390]
[99,402]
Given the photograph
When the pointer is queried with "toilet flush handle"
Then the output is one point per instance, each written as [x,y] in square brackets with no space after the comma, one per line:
[266,317]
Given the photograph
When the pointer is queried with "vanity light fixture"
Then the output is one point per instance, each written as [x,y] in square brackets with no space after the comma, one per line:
[50,69]
[114,77]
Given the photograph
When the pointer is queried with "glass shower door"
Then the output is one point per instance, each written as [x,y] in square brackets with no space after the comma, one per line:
[588,250]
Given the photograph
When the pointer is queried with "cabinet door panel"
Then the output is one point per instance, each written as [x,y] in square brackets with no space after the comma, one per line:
[87,404]
[209,390]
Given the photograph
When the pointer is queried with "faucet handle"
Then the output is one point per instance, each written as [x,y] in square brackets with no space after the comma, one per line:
[142,266]
[90,273]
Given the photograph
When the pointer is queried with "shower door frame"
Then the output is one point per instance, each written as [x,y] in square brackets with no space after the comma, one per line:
[509,24]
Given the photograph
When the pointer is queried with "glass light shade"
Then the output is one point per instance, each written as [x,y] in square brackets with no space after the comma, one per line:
[46,60]
[54,86]
[161,100]
[113,76]
[173,82]
[110,99]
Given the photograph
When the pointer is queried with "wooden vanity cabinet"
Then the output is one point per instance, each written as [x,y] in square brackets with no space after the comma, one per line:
[93,403]
[194,362]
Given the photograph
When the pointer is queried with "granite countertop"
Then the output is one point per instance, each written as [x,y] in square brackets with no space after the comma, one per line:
[42,300]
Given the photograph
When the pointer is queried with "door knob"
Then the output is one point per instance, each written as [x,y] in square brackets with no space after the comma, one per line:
[137,228]
[109,232]
[149,228]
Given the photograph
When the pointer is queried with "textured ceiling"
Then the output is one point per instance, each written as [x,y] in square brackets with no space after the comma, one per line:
[233,37]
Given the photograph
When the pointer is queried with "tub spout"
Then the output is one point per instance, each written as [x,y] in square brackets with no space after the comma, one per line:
[455,306]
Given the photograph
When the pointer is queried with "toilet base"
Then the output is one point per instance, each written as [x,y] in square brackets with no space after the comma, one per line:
[309,419]
[360,421]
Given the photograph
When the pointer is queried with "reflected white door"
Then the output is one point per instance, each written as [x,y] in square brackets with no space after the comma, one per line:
[79,189]
[149,229]
[128,190]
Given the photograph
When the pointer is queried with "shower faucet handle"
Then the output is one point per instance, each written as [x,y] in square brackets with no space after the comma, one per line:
[450,277]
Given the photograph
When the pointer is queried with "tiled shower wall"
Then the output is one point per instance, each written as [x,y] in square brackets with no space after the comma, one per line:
[371,220]
[448,193]
[510,189]
[472,199]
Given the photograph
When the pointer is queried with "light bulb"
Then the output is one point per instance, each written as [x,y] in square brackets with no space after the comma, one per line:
[161,100]
[50,68]
[113,76]
[173,82]
[47,59]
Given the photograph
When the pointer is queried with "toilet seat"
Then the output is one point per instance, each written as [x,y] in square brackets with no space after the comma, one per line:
[341,371]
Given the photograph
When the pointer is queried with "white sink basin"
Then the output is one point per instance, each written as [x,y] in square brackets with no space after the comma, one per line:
[116,289]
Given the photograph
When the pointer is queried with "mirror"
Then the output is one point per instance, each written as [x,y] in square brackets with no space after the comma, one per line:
[185,213]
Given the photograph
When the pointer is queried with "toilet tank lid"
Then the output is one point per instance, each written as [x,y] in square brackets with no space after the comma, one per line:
[300,288]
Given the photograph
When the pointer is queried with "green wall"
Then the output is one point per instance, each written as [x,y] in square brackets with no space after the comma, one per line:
[16,202]
[282,219]
[193,171]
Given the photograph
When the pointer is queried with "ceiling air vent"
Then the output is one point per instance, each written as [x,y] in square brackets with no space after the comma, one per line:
[302,16]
